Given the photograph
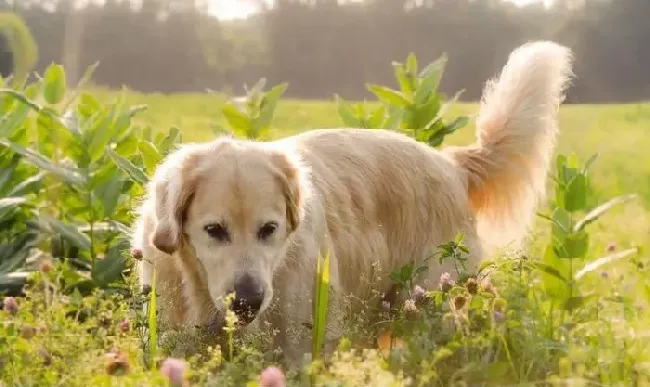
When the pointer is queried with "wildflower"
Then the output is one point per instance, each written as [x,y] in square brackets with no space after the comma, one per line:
[459,302]
[489,288]
[10,305]
[446,282]
[419,293]
[385,305]
[409,306]
[136,253]
[611,247]
[27,332]
[472,286]
[45,266]
[45,356]
[116,363]
[174,370]
[124,326]
[499,317]
[272,377]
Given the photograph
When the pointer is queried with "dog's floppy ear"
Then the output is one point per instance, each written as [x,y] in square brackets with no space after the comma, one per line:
[291,178]
[173,186]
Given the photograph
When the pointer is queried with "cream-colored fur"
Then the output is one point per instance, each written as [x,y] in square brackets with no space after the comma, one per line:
[364,196]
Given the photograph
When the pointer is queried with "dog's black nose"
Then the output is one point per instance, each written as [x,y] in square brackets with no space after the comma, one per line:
[249,296]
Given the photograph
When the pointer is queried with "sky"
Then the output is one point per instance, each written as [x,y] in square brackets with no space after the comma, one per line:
[240,9]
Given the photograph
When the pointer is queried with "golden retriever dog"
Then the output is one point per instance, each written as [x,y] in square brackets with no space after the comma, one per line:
[252,218]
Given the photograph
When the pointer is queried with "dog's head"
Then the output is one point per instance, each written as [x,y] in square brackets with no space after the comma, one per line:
[235,203]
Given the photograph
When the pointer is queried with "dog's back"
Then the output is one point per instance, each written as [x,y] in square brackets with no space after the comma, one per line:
[388,199]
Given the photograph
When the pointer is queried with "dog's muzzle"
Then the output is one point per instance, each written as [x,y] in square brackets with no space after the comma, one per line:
[248,300]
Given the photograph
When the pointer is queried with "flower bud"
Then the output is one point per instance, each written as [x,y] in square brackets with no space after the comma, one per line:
[10,305]
[174,370]
[272,377]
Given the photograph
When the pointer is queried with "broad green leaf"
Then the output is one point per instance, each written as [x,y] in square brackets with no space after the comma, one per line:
[123,122]
[120,227]
[575,302]
[600,262]
[430,79]
[14,281]
[555,275]
[67,173]
[561,223]
[109,269]
[445,108]
[85,78]
[127,147]
[405,82]
[236,119]
[146,133]
[22,98]
[346,113]
[389,96]
[423,113]
[412,64]
[173,137]
[69,232]
[10,163]
[54,86]
[11,121]
[457,123]
[134,172]
[100,135]
[377,118]
[27,185]
[575,197]
[150,155]
[439,136]
[13,254]
[9,204]
[360,111]
[394,117]
[88,105]
[576,245]
[597,212]
[269,103]
[109,194]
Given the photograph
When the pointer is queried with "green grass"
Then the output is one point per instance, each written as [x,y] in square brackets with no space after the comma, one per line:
[609,343]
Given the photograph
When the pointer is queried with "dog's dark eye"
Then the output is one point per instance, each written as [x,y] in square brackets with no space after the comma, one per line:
[267,230]
[218,231]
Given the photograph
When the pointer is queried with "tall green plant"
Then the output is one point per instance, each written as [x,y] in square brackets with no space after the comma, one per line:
[92,160]
[251,118]
[417,108]
[564,263]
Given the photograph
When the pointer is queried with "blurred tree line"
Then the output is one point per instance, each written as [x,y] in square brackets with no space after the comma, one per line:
[322,47]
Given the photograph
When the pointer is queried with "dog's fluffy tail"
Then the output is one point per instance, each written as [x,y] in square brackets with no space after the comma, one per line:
[517,125]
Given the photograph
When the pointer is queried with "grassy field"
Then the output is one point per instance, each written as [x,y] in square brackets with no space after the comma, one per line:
[602,342]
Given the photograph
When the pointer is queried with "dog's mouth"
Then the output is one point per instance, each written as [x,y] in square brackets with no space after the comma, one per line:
[245,311]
